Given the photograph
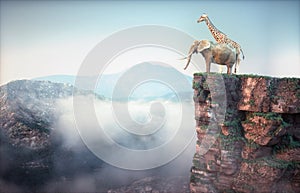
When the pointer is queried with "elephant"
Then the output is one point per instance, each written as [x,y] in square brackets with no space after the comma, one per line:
[222,54]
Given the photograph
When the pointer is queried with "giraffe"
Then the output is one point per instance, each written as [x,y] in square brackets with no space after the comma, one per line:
[221,37]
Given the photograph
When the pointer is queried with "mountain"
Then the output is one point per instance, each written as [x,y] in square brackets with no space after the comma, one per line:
[30,144]
[145,81]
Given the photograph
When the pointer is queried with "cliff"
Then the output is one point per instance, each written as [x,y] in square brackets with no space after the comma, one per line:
[248,130]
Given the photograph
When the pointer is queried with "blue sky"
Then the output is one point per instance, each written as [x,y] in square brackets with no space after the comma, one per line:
[41,38]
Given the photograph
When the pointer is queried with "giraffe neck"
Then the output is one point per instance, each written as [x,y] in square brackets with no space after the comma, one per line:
[214,31]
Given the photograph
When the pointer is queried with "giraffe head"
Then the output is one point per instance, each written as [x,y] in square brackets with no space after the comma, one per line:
[202,18]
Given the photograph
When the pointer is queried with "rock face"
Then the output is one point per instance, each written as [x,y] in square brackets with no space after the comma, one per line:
[28,149]
[27,111]
[248,130]
[156,185]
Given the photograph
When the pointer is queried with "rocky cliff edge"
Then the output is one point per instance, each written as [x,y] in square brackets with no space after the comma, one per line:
[248,130]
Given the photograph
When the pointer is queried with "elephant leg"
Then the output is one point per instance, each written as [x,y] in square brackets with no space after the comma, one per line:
[208,66]
[229,69]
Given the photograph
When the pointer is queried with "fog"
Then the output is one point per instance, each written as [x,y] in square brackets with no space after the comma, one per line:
[158,128]
[158,125]
[162,119]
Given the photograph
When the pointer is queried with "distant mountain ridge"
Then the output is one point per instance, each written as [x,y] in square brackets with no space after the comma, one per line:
[149,90]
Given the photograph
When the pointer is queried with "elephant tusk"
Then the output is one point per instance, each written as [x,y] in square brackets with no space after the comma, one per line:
[183,58]
[190,54]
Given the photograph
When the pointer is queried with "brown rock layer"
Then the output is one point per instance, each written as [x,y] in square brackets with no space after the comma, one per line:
[248,134]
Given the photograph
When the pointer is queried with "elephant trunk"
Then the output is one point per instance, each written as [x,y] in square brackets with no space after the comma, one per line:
[193,49]
[189,57]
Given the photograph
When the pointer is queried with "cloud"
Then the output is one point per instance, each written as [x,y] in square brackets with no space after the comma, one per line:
[76,169]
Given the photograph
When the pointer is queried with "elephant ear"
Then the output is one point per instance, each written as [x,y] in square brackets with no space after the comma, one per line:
[204,44]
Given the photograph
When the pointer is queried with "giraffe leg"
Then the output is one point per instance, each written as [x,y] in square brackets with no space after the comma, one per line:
[238,60]
[235,68]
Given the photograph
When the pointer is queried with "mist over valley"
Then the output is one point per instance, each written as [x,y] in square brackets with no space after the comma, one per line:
[42,148]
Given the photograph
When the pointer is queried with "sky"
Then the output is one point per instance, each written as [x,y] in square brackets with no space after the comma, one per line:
[40,38]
